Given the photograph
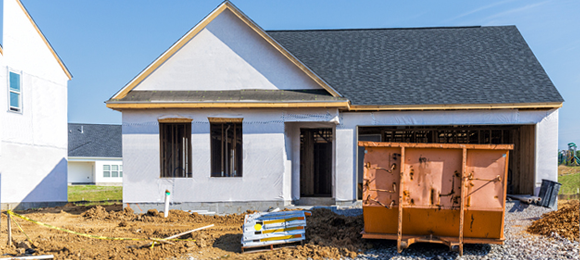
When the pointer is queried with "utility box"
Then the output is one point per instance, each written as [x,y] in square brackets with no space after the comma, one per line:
[439,193]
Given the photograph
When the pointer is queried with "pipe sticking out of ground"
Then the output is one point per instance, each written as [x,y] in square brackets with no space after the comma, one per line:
[166,210]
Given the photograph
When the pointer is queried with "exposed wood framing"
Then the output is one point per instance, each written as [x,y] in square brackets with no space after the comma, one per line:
[224,120]
[175,150]
[175,120]
[315,162]
[457,106]
[523,162]
[423,145]
[226,147]
[306,163]
[119,106]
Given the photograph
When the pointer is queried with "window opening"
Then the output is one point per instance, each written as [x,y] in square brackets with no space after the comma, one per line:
[226,149]
[175,150]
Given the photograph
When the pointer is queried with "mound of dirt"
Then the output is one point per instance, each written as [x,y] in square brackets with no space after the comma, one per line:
[153,216]
[564,222]
[101,213]
[329,235]
[326,228]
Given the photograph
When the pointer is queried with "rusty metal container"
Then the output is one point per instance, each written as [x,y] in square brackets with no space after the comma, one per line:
[438,193]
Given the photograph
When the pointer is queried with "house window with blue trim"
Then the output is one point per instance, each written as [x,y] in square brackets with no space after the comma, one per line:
[15,93]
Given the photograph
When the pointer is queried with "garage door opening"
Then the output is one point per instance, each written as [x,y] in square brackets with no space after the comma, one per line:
[521,170]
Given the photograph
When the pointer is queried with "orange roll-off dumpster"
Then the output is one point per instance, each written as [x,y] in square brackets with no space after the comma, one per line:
[438,193]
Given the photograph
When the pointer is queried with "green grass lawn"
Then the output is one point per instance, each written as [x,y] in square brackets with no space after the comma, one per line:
[94,193]
[570,183]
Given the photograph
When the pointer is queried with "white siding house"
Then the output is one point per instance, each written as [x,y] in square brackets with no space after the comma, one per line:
[33,118]
[95,154]
[232,117]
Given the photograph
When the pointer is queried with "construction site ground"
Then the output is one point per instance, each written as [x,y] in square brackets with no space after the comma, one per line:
[328,236]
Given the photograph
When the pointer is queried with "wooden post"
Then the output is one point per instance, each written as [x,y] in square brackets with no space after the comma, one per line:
[401,190]
[9,227]
[462,209]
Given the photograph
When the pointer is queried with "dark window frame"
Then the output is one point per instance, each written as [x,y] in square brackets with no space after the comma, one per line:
[175,151]
[223,132]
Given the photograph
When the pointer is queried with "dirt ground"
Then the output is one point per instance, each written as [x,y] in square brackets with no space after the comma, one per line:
[566,170]
[328,235]
[564,221]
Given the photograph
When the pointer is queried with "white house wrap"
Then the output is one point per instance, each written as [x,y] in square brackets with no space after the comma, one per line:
[33,117]
[232,117]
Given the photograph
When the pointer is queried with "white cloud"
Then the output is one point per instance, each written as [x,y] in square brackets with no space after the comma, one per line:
[516,10]
[479,9]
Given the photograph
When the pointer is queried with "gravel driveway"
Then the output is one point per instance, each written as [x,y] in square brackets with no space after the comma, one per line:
[518,244]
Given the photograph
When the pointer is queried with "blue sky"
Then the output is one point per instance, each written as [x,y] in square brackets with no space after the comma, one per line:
[106,43]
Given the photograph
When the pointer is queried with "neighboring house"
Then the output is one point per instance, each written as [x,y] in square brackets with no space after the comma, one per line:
[232,117]
[95,154]
[33,117]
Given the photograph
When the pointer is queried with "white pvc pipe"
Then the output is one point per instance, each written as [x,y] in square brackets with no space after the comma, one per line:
[166,210]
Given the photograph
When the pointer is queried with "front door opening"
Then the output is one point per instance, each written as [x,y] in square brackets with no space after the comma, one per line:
[316,162]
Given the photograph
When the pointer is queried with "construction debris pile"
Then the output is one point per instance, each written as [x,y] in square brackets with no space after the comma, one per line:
[564,222]
[328,235]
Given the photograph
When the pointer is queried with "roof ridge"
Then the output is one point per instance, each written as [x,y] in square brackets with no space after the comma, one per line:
[394,28]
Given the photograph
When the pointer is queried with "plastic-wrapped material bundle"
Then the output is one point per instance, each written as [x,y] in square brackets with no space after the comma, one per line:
[272,228]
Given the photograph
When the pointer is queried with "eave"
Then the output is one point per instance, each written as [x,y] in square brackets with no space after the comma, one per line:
[165,105]
[550,105]
[90,158]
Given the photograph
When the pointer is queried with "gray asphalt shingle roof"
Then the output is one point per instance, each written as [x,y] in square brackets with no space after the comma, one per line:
[94,140]
[231,96]
[416,66]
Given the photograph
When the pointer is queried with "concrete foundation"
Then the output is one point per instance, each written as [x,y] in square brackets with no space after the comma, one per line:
[32,205]
[217,207]
[238,207]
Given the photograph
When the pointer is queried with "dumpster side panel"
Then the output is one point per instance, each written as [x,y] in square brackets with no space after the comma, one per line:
[434,177]
[486,177]
[430,188]
[425,222]
[483,224]
[381,176]
[378,219]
